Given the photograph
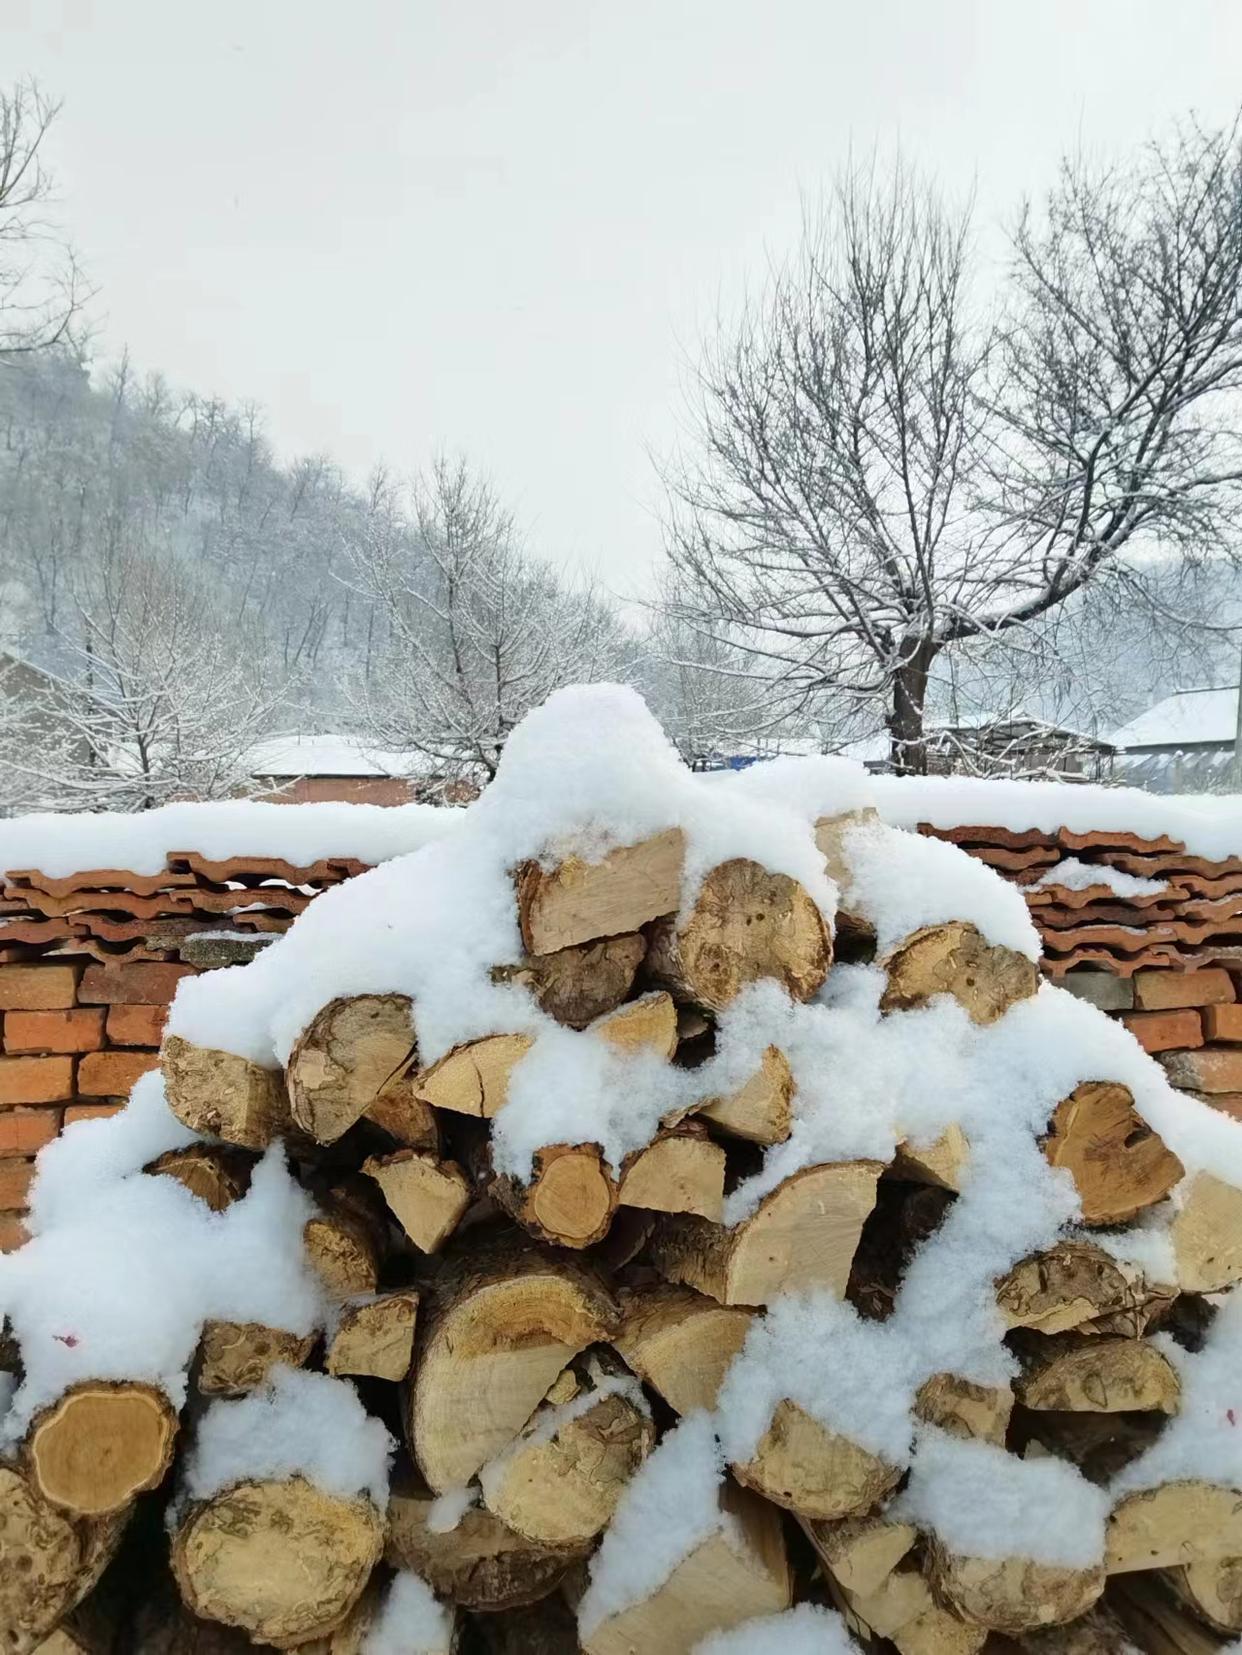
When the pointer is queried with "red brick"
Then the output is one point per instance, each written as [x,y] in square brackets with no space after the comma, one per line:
[136,1025]
[1214,1069]
[1229,1103]
[1167,1031]
[39,987]
[1166,990]
[111,1074]
[146,983]
[90,1111]
[79,1030]
[15,1179]
[25,1131]
[35,1080]
[1223,1023]
[12,1232]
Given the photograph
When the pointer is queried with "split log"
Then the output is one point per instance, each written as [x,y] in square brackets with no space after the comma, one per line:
[761,1111]
[808,1469]
[236,1357]
[559,1481]
[403,1115]
[1118,1164]
[1212,1588]
[902,1609]
[374,1338]
[1173,1525]
[648,1024]
[215,1173]
[830,836]
[100,1444]
[680,1342]
[569,1200]
[344,1249]
[746,924]
[681,1171]
[426,1196]
[577,901]
[1075,1284]
[965,1409]
[942,1163]
[736,1575]
[48,1560]
[803,1235]
[1069,1373]
[350,1051]
[1012,1594]
[1206,1234]
[576,985]
[498,1338]
[984,978]
[480,1564]
[1158,1623]
[860,1552]
[220,1095]
[283,1561]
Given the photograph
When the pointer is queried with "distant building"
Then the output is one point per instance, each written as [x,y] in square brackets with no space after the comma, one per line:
[1016,745]
[314,769]
[1184,744]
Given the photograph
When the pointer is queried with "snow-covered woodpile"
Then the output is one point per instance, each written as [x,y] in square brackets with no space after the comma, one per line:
[747,1249]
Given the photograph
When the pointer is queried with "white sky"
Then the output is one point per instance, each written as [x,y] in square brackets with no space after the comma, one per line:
[501,225]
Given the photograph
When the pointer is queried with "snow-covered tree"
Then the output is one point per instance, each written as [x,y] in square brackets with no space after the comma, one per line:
[41,287]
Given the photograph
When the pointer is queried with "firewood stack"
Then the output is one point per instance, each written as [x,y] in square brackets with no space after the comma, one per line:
[635,1386]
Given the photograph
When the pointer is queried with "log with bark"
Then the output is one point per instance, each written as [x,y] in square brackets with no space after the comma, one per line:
[236,1357]
[99,1445]
[49,1559]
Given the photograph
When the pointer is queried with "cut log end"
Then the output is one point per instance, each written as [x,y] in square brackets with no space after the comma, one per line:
[351,1050]
[215,1174]
[236,1357]
[579,902]
[101,1444]
[1069,1374]
[48,1561]
[682,1171]
[221,1095]
[1013,1594]
[1207,1235]
[818,1473]
[680,1342]
[426,1196]
[761,1111]
[1118,1164]
[576,985]
[1075,1283]
[375,1338]
[984,978]
[1172,1525]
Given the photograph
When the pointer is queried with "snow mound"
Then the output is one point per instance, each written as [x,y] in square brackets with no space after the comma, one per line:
[1075,875]
[410,1621]
[806,1630]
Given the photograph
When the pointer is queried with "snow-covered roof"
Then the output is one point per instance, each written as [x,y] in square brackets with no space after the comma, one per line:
[1183,719]
[330,755]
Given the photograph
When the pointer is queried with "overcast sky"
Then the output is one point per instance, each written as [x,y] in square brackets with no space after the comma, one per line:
[501,225]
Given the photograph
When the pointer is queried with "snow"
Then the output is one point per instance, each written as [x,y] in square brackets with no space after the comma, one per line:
[675,1495]
[296,1425]
[122,1268]
[61,844]
[1184,718]
[329,755]
[447,1511]
[1073,875]
[806,1630]
[981,1501]
[410,1621]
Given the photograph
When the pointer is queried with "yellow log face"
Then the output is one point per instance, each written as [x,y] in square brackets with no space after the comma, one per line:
[40,1560]
[375,1339]
[1101,1375]
[681,1342]
[1118,1164]
[761,1111]
[817,1473]
[681,1172]
[804,1235]
[100,1445]
[965,1409]
[1175,1524]
[984,979]
[579,902]
[1013,1594]
[1207,1235]
[351,1050]
[235,1357]
[222,1095]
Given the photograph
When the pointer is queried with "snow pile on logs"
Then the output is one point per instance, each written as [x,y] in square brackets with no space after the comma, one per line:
[694,1177]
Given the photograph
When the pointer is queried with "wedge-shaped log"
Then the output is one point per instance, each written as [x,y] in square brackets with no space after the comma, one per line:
[680,1342]
[737,1574]
[1118,1164]
[1075,1283]
[569,1200]
[426,1196]
[1212,1588]
[350,1051]
[1174,1524]
[761,1111]
[283,1561]
[576,901]
[100,1444]
[214,1173]
[680,1171]
[221,1095]
[943,1163]
[235,1357]
[559,1481]
[497,1339]
[965,1409]
[746,924]
[860,1552]
[984,978]
[344,1247]
[902,1609]
[479,1564]
[49,1560]
[1012,1594]
[803,1466]
[403,1115]
[1069,1373]
[374,1338]
[576,985]
[803,1235]
[1207,1234]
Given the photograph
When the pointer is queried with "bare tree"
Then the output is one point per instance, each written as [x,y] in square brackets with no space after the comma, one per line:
[885,475]
[476,632]
[41,287]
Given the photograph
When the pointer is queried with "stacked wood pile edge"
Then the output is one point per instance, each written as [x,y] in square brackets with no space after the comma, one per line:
[907,1322]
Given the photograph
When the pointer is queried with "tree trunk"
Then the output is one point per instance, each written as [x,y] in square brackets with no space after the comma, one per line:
[908,697]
